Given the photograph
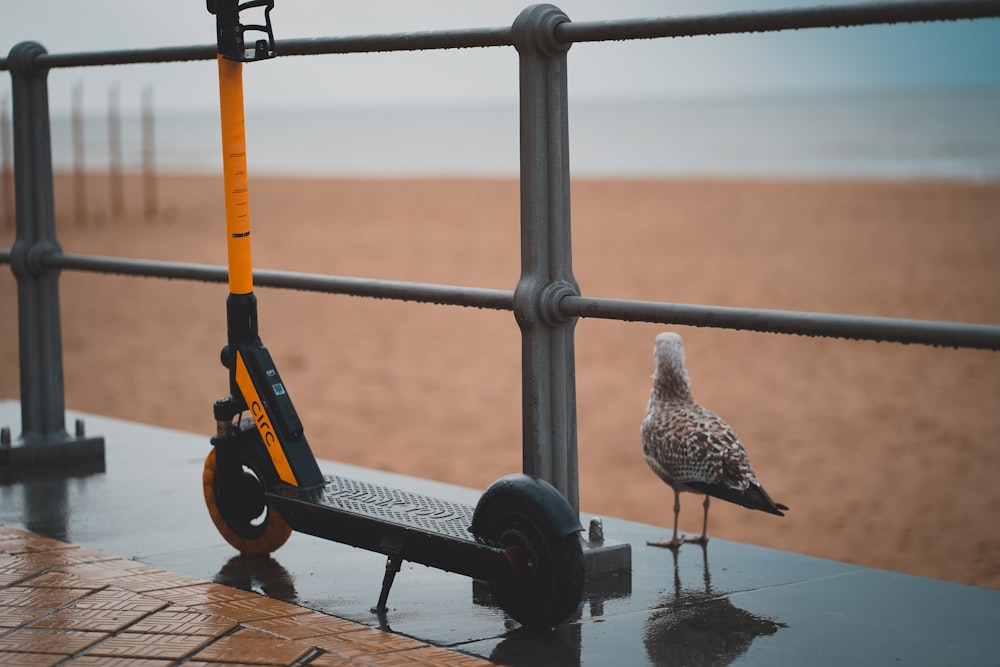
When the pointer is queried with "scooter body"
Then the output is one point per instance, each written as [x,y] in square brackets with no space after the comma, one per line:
[261,480]
[261,483]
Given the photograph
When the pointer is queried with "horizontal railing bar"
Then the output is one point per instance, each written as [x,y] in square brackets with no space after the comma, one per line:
[136,267]
[856,327]
[573,31]
[777,19]
[128,56]
[447,295]
[413,41]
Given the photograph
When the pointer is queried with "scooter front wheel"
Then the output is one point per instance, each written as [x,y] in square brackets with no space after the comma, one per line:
[236,501]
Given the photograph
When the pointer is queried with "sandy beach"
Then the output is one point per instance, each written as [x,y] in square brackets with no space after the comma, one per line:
[887,454]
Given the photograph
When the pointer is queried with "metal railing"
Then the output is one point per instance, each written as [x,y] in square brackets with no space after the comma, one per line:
[546,301]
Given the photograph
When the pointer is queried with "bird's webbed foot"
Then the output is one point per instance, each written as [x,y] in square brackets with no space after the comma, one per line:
[674,543]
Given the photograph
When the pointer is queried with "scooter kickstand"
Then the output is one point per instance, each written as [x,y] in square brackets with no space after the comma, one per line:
[392,566]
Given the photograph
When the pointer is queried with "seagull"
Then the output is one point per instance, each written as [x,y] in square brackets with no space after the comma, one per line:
[691,448]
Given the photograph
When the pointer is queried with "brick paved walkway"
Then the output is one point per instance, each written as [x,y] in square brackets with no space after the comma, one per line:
[61,604]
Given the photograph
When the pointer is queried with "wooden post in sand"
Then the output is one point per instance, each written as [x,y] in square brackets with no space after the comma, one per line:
[115,155]
[79,168]
[150,205]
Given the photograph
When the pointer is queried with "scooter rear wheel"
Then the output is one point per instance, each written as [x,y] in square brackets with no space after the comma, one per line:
[239,509]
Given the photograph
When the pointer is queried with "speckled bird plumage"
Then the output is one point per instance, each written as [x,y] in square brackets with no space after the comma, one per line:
[690,447]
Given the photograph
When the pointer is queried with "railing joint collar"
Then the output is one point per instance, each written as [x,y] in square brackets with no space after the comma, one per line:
[549,301]
[539,303]
[534,31]
[22,60]
[29,260]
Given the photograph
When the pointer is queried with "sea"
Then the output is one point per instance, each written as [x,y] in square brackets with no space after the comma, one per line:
[941,133]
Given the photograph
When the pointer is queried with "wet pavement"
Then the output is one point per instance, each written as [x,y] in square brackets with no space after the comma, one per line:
[727,603]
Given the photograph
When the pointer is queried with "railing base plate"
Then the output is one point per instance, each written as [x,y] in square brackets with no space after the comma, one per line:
[609,557]
[58,452]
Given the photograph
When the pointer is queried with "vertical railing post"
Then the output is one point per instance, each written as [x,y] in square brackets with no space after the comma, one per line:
[547,349]
[43,423]
[548,357]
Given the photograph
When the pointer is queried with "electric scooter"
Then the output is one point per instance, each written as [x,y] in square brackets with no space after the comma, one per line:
[261,480]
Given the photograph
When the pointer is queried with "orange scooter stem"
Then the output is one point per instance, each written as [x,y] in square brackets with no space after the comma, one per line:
[234,165]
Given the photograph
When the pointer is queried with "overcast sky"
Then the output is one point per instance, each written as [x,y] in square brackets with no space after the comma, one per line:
[905,56]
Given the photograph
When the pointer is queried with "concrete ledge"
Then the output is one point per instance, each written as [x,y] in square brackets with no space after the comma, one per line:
[728,603]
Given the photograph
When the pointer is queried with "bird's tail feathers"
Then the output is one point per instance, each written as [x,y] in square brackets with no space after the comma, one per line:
[753,497]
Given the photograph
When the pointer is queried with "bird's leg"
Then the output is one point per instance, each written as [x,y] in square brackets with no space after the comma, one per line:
[675,542]
[703,538]
[706,573]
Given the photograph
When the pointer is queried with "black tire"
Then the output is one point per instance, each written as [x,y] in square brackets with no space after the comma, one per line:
[240,511]
[545,583]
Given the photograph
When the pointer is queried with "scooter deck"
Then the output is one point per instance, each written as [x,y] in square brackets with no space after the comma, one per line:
[398,523]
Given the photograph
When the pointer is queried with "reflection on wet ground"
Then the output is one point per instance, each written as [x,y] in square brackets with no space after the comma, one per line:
[258,574]
[728,603]
[689,623]
[699,626]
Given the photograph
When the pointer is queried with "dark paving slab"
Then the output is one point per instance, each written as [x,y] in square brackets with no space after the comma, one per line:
[729,603]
